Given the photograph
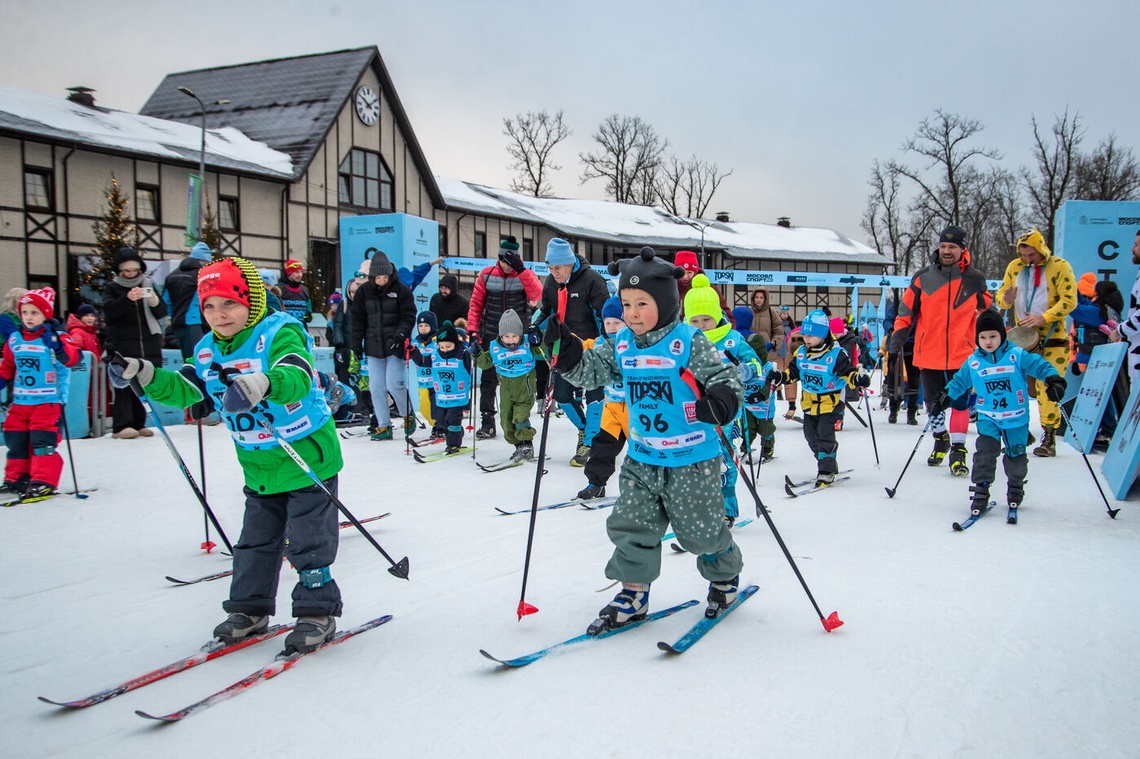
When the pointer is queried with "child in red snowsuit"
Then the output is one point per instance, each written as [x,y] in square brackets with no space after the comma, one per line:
[36,361]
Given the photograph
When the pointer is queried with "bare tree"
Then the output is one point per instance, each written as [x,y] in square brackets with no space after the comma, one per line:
[942,183]
[686,188]
[990,211]
[629,159]
[892,233]
[532,136]
[1108,173]
[1056,169]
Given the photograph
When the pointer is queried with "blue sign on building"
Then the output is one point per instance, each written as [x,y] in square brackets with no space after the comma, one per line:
[408,241]
[1097,236]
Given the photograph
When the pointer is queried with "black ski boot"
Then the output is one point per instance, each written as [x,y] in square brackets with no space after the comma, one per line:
[591,492]
[958,466]
[981,496]
[941,448]
[486,430]
[722,594]
[309,633]
[239,626]
[630,605]
[523,452]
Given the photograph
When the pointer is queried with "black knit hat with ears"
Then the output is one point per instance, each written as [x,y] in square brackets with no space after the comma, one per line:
[447,333]
[990,320]
[656,276]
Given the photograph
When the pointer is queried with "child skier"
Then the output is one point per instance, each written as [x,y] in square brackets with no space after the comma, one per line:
[760,405]
[424,341]
[997,372]
[451,377]
[511,356]
[36,363]
[614,429]
[702,310]
[678,391]
[256,366]
[825,371]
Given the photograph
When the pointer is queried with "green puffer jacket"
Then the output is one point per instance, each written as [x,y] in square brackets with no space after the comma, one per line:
[271,470]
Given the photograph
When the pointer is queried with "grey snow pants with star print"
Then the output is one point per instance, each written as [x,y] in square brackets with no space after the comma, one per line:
[651,498]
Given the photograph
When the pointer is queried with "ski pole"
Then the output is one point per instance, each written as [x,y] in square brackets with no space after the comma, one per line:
[70,458]
[1111,511]
[138,390]
[407,373]
[871,419]
[474,408]
[829,622]
[929,421]
[398,568]
[207,544]
[524,608]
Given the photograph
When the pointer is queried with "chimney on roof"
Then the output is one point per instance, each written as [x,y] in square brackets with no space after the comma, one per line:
[784,221]
[722,216]
[82,96]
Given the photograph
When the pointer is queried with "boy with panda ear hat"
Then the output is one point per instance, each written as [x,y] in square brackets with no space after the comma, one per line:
[678,391]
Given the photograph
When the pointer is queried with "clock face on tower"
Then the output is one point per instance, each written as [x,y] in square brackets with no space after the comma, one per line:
[367,105]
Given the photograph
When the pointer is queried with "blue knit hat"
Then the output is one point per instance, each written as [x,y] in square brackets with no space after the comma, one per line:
[559,253]
[816,324]
[428,318]
[202,252]
[612,309]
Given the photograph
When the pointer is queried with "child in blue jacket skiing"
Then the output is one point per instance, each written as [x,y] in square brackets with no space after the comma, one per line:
[677,391]
[451,377]
[426,327]
[511,355]
[997,372]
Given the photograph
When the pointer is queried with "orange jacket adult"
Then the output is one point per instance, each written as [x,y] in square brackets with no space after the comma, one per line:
[941,305]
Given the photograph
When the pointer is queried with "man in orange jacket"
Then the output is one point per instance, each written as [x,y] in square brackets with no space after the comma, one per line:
[940,307]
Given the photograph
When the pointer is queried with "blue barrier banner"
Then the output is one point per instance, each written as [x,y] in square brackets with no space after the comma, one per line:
[1097,236]
[1123,456]
[407,240]
[1095,394]
[323,361]
[78,419]
[172,360]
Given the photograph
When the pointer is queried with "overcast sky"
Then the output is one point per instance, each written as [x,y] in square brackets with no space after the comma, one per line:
[796,98]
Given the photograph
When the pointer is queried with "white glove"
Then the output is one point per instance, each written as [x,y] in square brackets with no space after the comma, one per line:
[122,370]
[245,392]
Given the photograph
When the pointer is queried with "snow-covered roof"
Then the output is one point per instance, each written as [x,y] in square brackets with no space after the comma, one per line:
[45,116]
[632,225]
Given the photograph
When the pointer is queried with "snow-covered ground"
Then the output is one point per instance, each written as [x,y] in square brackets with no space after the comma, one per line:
[1002,641]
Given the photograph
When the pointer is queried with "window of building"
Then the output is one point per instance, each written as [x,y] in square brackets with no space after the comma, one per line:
[365,181]
[228,217]
[480,245]
[443,240]
[528,249]
[146,203]
[38,190]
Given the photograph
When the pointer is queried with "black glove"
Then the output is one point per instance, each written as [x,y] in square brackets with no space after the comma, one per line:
[474,349]
[940,404]
[775,377]
[717,406]
[534,335]
[1075,370]
[513,260]
[415,355]
[862,380]
[756,396]
[395,345]
[1055,388]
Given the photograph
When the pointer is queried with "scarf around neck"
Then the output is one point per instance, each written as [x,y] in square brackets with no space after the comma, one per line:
[141,280]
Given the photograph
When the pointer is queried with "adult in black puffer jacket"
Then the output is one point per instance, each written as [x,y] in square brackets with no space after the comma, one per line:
[383,315]
[131,311]
[453,305]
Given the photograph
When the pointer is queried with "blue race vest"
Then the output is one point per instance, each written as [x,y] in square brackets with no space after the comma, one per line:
[763,409]
[452,381]
[423,373]
[817,375]
[1002,390]
[40,377]
[512,362]
[292,422]
[663,426]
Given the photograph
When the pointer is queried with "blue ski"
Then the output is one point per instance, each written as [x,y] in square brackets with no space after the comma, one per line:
[522,661]
[697,631]
[959,526]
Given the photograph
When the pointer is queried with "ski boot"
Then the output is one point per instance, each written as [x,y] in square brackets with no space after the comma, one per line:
[767,453]
[437,434]
[722,594]
[941,448]
[630,605]
[591,492]
[453,449]
[486,430]
[582,454]
[309,633]
[822,479]
[381,433]
[14,487]
[1048,447]
[981,497]
[239,626]
[893,416]
[523,452]
[409,424]
[38,490]
[729,520]
[912,417]
[958,466]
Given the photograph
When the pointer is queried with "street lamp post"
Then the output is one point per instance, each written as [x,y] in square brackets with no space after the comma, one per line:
[201,156]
